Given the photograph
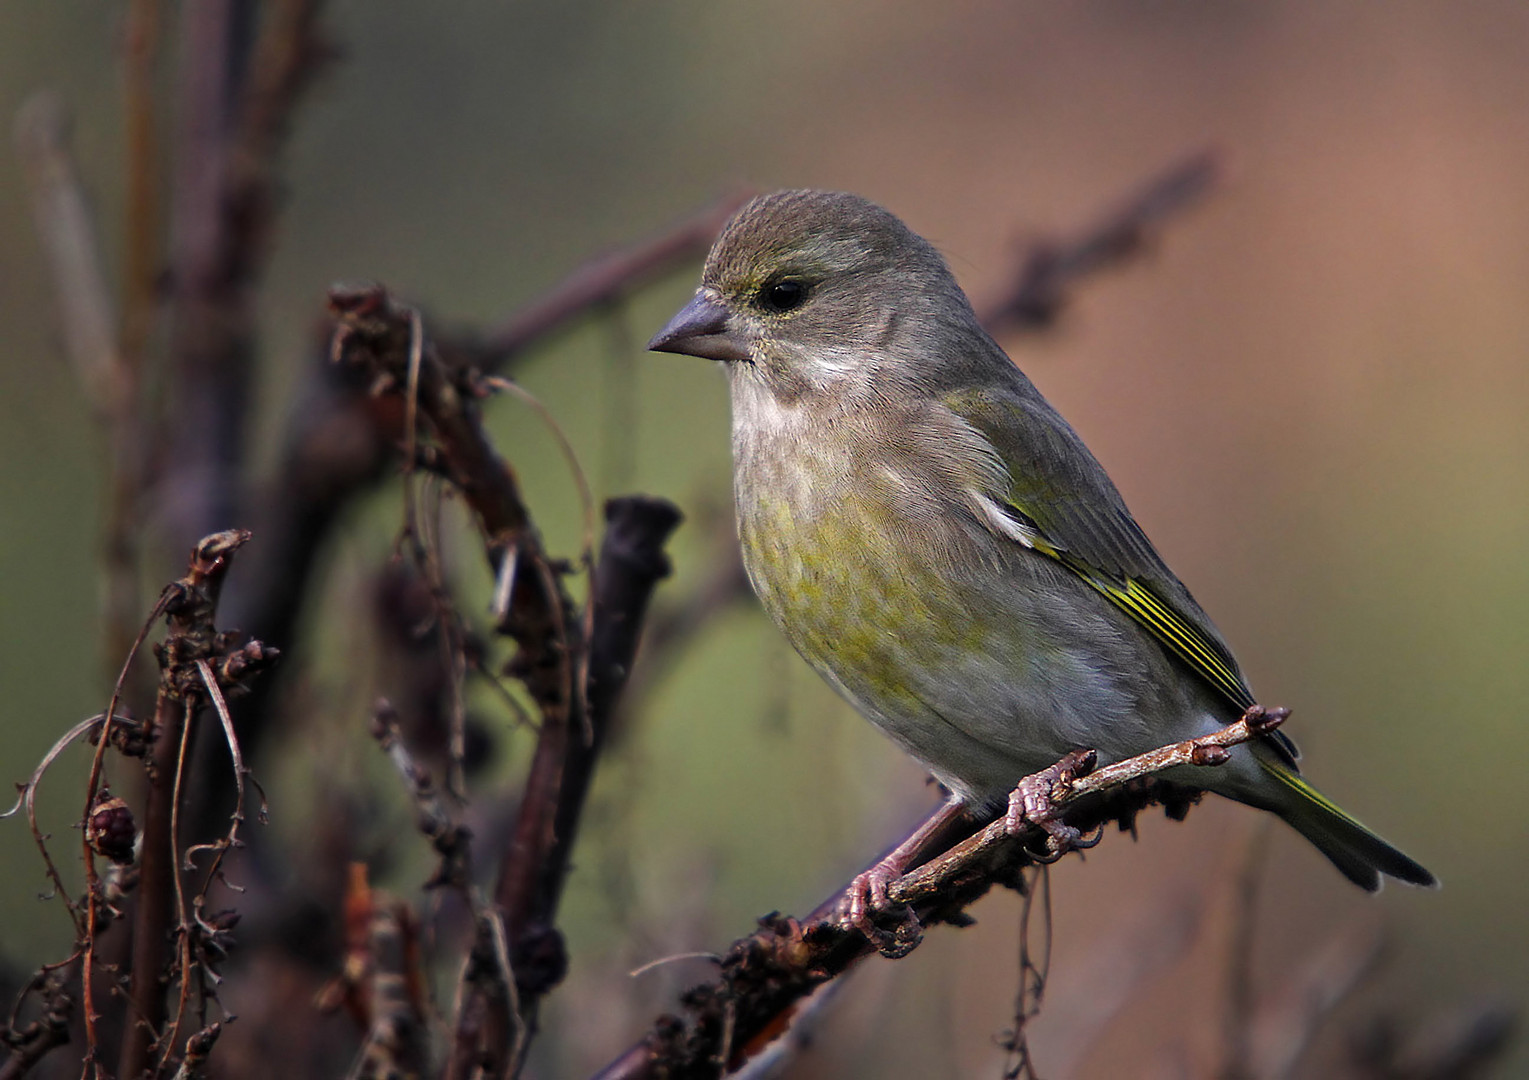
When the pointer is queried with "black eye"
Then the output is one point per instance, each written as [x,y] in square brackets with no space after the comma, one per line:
[785,295]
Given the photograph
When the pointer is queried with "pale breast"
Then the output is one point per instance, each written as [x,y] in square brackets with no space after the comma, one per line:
[849,545]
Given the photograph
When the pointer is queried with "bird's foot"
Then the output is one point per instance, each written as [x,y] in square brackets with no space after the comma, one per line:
[893,928]
[1033,802]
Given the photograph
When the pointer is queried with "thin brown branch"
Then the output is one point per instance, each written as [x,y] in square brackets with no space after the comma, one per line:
[72,251]
[673,628]
[451,839]
[607,280]
[141,249]
[140,294]
[198,1048]
[190,605]
[106,373]
[339,439]
[532,876]
[237,97]
[49,1030]
[1237,1026]
[1032,975]
[93,898]
[1050,269]
[766,974]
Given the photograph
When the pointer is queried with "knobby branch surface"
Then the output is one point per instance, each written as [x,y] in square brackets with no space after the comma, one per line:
[197,663]
[764,976]
[575,682]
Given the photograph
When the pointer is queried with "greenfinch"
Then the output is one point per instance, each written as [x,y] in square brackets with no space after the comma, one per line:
[937,542]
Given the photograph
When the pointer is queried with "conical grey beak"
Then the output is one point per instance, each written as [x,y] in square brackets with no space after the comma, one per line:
[701,329]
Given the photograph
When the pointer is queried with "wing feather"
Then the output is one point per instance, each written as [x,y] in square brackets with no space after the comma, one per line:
[1061,500]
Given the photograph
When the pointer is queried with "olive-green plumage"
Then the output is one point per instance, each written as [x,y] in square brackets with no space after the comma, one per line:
[936,540]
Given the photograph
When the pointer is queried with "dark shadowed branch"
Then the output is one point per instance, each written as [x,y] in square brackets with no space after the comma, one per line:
[187,679]
[389,341]
[241,75]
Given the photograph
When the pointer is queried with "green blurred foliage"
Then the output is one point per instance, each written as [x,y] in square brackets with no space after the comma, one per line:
[1314,396]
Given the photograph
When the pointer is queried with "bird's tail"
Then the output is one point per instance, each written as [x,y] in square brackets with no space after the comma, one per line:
[1353,849]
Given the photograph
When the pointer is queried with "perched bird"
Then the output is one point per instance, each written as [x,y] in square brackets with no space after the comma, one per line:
[938,543]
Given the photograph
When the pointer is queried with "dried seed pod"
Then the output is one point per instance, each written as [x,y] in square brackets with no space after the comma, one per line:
[110,829]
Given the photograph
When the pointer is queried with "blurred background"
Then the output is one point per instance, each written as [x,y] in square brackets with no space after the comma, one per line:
[1313,394]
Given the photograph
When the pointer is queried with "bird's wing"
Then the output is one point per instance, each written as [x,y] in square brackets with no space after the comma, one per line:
[1060,502]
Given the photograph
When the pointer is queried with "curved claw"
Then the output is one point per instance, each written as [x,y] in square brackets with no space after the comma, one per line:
[1088,840]
[866,900]
[1030,803]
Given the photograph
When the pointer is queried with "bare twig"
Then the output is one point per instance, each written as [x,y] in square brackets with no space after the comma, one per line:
[530,885]
[383,337]
[49,1030]
[606,280]
[198,1047]
[1049,269]
[1032,974]
[190,604]
[234,666]
[449,837]
[141,250]
[27,797]
[92,787]
[765,974]
[1237,1026]
[587,542]
[73,253]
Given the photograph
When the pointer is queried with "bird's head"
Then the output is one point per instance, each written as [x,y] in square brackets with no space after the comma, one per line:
[821,293]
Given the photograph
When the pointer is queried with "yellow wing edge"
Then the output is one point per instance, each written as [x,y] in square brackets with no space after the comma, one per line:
[1163,623]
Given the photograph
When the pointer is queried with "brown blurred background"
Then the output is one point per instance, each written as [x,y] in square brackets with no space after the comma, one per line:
[1313,395]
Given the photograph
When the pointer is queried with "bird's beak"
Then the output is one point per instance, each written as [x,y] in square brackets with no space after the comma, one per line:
[701,329]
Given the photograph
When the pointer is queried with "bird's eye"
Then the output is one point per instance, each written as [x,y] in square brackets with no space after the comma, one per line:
[788,294]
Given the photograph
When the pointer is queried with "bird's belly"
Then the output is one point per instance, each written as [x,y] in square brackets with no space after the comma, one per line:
[983,664]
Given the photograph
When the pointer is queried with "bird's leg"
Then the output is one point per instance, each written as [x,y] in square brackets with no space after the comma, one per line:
[1032,803]
[867,894]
